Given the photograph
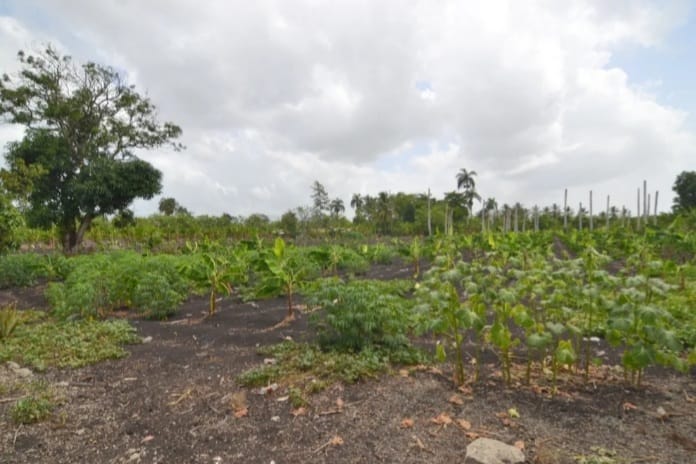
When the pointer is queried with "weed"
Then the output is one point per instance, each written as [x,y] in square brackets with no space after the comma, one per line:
[67,344]
[307,369]
[31,410]
[9,319]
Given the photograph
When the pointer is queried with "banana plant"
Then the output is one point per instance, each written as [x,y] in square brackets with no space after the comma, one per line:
[213,274]
[283,270]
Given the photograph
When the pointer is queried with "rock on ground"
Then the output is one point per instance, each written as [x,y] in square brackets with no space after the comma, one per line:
[488,451]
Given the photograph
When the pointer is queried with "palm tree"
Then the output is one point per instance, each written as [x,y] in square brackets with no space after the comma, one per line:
[336,207]
[466,182]
[385,212]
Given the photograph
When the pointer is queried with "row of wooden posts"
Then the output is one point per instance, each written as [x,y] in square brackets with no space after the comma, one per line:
[642,218]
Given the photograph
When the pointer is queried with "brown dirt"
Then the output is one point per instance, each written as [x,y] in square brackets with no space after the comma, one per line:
[169,402]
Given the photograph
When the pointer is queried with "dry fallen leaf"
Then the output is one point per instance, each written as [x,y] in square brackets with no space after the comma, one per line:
[463,423]
[519,444]
[472,435]
[466,390]
[407,423]
[238,400]
[419,443]
[443,419]
[336,441]
[147,438]
[301,411]
[404,373]
[340,404]
[456,399]
[629,406]
[241,412]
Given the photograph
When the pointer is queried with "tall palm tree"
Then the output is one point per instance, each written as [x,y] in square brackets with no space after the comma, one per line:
[336,207]
[466,182]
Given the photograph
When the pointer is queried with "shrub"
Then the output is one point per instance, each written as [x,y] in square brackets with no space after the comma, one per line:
[361,314]
[22,270]
[97,284]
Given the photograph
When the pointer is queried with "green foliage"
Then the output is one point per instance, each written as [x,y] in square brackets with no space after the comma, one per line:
[360,314]
[283,269]
[98,284]
[23,269]
[216,274]
[685,188]
[598,456]
[76,160]
[9,320]
[10,221]
[31,410]
[67,344]
[307,369]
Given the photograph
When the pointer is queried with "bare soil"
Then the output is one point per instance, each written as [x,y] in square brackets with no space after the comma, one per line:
[170,400]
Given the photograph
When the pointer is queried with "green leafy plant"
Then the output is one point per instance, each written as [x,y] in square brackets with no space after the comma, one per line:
[67,344]
[443,312]
[283,270]
[213,273]
[31,409]
[360,314]
[9,320]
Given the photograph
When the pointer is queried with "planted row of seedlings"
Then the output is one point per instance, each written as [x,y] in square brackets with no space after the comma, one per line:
[519,300]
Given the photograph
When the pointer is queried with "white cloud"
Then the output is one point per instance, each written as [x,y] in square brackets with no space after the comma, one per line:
[272,95]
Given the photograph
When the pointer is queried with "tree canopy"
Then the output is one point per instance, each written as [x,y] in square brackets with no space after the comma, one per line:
[685,188]
[76,160]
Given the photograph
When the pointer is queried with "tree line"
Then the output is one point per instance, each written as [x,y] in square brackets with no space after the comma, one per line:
[75,169]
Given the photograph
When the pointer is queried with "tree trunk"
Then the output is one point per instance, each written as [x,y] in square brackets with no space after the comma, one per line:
[72,236]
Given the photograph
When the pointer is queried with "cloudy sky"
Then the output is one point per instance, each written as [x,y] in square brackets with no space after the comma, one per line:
[369,96]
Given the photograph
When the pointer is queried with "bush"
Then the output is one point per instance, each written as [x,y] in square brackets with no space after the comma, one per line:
[22,270]
[98,284]
[362,314]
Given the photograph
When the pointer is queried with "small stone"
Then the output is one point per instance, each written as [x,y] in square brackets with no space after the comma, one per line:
[12,365]
[147,339]
[23,372]
[275,418]
[488,451]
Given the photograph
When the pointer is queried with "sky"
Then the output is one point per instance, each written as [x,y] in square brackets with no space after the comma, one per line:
[377,95]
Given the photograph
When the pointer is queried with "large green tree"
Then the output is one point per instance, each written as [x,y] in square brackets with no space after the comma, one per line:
[83,124]
[685,188]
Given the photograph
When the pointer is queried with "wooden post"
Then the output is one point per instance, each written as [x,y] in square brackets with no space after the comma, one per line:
[647,215]
[657,192]
[591,221]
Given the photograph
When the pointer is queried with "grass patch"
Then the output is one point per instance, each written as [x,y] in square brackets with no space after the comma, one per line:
[36,405]
[306,369]
[49,342]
